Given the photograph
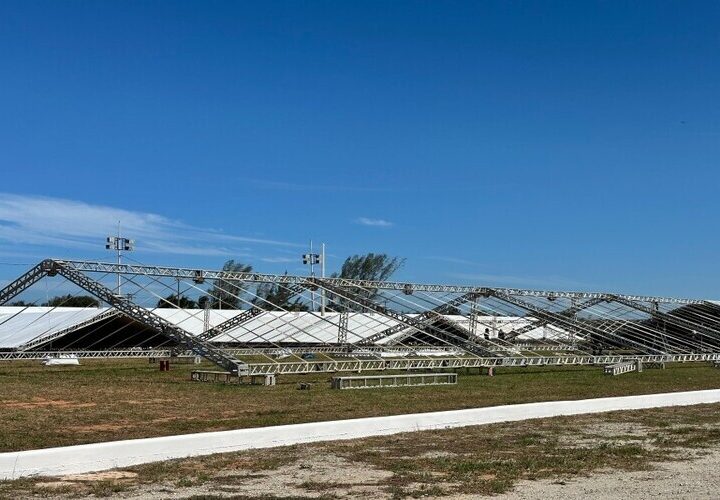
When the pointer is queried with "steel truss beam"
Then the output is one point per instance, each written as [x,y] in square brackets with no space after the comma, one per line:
[559,319]
[24,282]
[407,321]
[236,321]
[668,317]
[463,362]
[76,271]
[82,353]
[140,314]
[569,313]
[228,325]
[543,346]
[343,327]
[426,318]
[360,365]
[200,275]
[245,351]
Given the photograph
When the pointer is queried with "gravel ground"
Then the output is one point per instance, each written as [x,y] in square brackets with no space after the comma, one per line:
[696,478]
[689,479]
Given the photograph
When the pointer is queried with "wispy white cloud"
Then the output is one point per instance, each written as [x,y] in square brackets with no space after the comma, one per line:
[366,221]
[280,260]
[36,221]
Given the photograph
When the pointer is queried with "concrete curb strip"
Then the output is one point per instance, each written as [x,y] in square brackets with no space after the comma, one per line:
[102,456]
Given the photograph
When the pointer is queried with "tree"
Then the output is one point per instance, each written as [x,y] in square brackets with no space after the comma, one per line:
[226,294]
[371,267]
[273,297]
[172,301]
[19,303]
[72,301]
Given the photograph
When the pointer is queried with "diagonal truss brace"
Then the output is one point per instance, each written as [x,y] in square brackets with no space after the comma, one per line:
[668,318]
[569,313]
[25,281]
[426,318]
[230,324]
[245,316]
[407,321]
[559,319]
[146,317]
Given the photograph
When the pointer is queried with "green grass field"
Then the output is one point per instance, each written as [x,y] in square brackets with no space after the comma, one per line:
[108,400]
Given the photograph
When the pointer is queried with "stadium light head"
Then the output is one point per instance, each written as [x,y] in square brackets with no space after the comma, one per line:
[311,258]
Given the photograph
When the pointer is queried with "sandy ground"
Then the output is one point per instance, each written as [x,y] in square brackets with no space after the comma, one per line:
[689,479]
[696,478]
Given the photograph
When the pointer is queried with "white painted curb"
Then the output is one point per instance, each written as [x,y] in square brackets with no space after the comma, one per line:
[102,456]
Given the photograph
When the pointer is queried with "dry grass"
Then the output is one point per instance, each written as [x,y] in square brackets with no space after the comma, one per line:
[472,460]
[108,400]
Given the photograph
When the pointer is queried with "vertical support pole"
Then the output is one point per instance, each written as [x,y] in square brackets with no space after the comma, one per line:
[473,316]
[312,275]
[119,258]
[206,317]
[322,275]
[573,305]
[343,328]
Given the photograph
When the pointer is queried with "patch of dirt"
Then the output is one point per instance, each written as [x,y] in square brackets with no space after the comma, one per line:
[607,432]
[162,420]
[615,428]
[438,454]
[322,475]
[112,475]
[101,428]
[145,401]
[52,485]
[356,480]
[42,403]
[171,419]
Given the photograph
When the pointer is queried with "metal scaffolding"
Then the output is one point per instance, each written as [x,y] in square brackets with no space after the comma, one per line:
[369,325]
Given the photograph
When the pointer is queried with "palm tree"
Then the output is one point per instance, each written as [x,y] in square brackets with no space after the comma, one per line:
[226,294]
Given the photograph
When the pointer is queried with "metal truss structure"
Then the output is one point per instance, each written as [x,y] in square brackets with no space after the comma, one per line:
[402,326]
[233,322]
[425,319]
[200,275]
[125,306]
[463,362]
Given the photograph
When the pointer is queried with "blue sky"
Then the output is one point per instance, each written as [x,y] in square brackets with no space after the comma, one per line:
[563,145]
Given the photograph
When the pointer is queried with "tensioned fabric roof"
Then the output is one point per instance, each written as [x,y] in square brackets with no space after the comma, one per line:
[19,325]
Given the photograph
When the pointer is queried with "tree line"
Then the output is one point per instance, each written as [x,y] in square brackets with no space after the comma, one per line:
[270,296]
[68,300]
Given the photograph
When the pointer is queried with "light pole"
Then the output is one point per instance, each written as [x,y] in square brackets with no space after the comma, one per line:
[322,275]
[311,259]
[120,245]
